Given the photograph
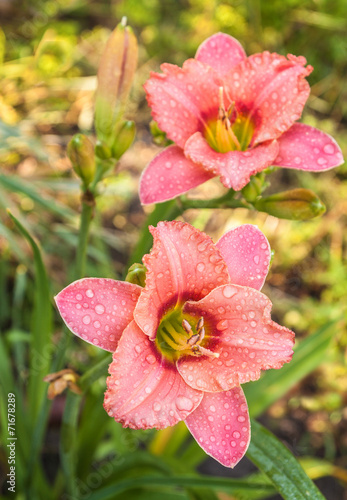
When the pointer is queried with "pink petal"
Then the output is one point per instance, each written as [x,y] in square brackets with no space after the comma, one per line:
[306,148]
[221,51]
[98,310]
[247,253]
[271,90]
[221,425]
[238,320]
[170,174]
[236,167]
[143,390]
[183,98]
[183,264]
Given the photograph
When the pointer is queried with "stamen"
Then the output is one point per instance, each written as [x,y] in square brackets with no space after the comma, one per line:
[193,339]
[201,333]
[201,351]
[200,324]
[186,326]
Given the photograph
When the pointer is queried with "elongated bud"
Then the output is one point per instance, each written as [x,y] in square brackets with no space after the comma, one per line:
[80,150]
[124,139]
[115,76]
[297,204]
[137,274]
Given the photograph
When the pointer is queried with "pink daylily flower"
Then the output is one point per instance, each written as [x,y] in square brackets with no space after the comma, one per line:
[231,116]
[184,343]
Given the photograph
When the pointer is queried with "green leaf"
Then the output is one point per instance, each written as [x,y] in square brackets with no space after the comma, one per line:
[276,461]
[48,202]
[308,355]
[215,483]
[40,348]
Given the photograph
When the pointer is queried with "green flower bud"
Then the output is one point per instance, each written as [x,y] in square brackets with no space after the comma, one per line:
[115,76]
[80,150]
[297,204]
[102,151]
[137,274]
[159,137]
[124,139]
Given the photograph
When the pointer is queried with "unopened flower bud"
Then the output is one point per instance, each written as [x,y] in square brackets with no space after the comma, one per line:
[115,76]
[124,139]
[137,274]
[159,137]
[297,204]
[102,151]
[80,150]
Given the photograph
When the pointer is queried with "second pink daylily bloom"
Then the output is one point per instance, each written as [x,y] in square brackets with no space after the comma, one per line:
[231,116]
[185,342]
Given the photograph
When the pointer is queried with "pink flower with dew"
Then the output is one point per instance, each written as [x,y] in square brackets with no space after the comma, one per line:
[184,343]
[231,116]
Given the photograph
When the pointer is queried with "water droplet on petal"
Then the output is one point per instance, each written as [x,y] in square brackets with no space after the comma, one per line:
[90,293]
[150,359]
[184,404]
[256,259]
[200,267]
[99,309]
[329,149]
[229,291]
[86,319]
[236,435]
[79,296]
[156,406]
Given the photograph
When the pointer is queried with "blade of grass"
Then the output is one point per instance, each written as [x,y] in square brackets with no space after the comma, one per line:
[276,461]
[48,202]
[42,327]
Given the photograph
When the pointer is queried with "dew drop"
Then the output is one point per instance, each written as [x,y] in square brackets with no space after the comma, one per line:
[329,149]
[99,309]
[212,408]
[156,406]
[236,434]
[86,319]
[256,259]
[184,404]
[229,291]
[90,293]
[150,359]
[79,296]
[200,267]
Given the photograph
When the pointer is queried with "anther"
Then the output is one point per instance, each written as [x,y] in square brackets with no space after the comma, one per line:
[193,339]
[186,326]
[200,324]
[201,333]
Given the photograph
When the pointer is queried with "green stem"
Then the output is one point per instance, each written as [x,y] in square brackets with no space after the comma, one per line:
[225,201]
[86,218]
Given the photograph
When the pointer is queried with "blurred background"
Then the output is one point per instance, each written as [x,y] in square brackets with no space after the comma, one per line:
[49,54]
